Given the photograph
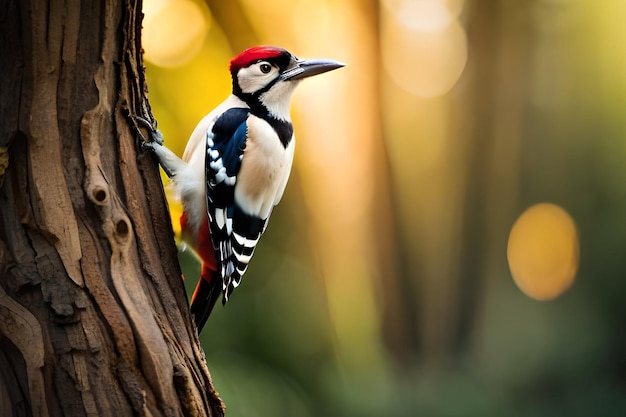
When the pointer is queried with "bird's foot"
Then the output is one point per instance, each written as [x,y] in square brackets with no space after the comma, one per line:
[155,135]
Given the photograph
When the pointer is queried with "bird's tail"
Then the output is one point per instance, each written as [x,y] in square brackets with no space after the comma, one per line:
[207,292]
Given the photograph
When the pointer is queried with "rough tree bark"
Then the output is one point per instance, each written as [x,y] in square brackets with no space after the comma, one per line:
[94,319]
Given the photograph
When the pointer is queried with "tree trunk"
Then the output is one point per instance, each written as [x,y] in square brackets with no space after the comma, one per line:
[93,314]
[491,114]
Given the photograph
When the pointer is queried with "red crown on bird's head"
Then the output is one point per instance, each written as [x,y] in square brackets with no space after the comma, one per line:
[255,54]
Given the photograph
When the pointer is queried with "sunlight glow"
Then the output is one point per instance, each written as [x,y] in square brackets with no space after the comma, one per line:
[424,47]
[423,15]
[336,161]
[173,31]
[543,251]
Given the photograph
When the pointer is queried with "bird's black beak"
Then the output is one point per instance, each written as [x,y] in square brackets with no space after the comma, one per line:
[300,68]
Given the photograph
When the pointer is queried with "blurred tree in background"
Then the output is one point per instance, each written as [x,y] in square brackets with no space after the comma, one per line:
[382,285]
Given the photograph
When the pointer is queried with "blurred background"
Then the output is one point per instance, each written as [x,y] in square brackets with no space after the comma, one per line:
[452,238]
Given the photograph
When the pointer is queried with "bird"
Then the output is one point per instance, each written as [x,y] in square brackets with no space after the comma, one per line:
[235,168]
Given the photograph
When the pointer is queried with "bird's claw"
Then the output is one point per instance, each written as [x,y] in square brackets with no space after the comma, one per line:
[156,137]
[149,146]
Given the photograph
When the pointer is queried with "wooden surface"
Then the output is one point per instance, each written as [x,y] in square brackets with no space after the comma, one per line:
[93,315]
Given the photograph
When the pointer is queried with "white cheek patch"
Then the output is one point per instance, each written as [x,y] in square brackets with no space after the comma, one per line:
[250,80]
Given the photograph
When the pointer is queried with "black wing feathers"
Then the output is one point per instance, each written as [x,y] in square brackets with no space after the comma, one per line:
[233,232]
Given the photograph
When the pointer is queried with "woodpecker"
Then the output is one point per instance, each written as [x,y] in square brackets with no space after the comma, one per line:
[235,168]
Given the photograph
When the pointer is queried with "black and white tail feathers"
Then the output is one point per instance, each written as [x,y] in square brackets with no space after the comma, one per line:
[204,298]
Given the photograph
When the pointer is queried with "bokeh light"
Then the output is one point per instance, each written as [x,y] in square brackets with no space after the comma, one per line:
[174,31]
[424,47]
[543,251]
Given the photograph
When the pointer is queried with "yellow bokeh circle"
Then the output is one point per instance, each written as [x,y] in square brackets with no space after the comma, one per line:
[543,251]
[173,31]
[424,45]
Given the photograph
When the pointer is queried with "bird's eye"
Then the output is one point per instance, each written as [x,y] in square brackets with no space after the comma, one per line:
[265,68]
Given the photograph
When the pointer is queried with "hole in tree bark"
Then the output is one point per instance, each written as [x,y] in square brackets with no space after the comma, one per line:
[121,228]
[100,195]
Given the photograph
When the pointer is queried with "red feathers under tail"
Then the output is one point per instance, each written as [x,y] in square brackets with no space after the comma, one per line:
[209,286]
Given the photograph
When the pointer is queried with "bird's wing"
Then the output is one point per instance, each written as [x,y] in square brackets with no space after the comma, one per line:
[234,233]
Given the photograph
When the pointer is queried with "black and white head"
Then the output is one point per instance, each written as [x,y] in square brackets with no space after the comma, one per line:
[265,77]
